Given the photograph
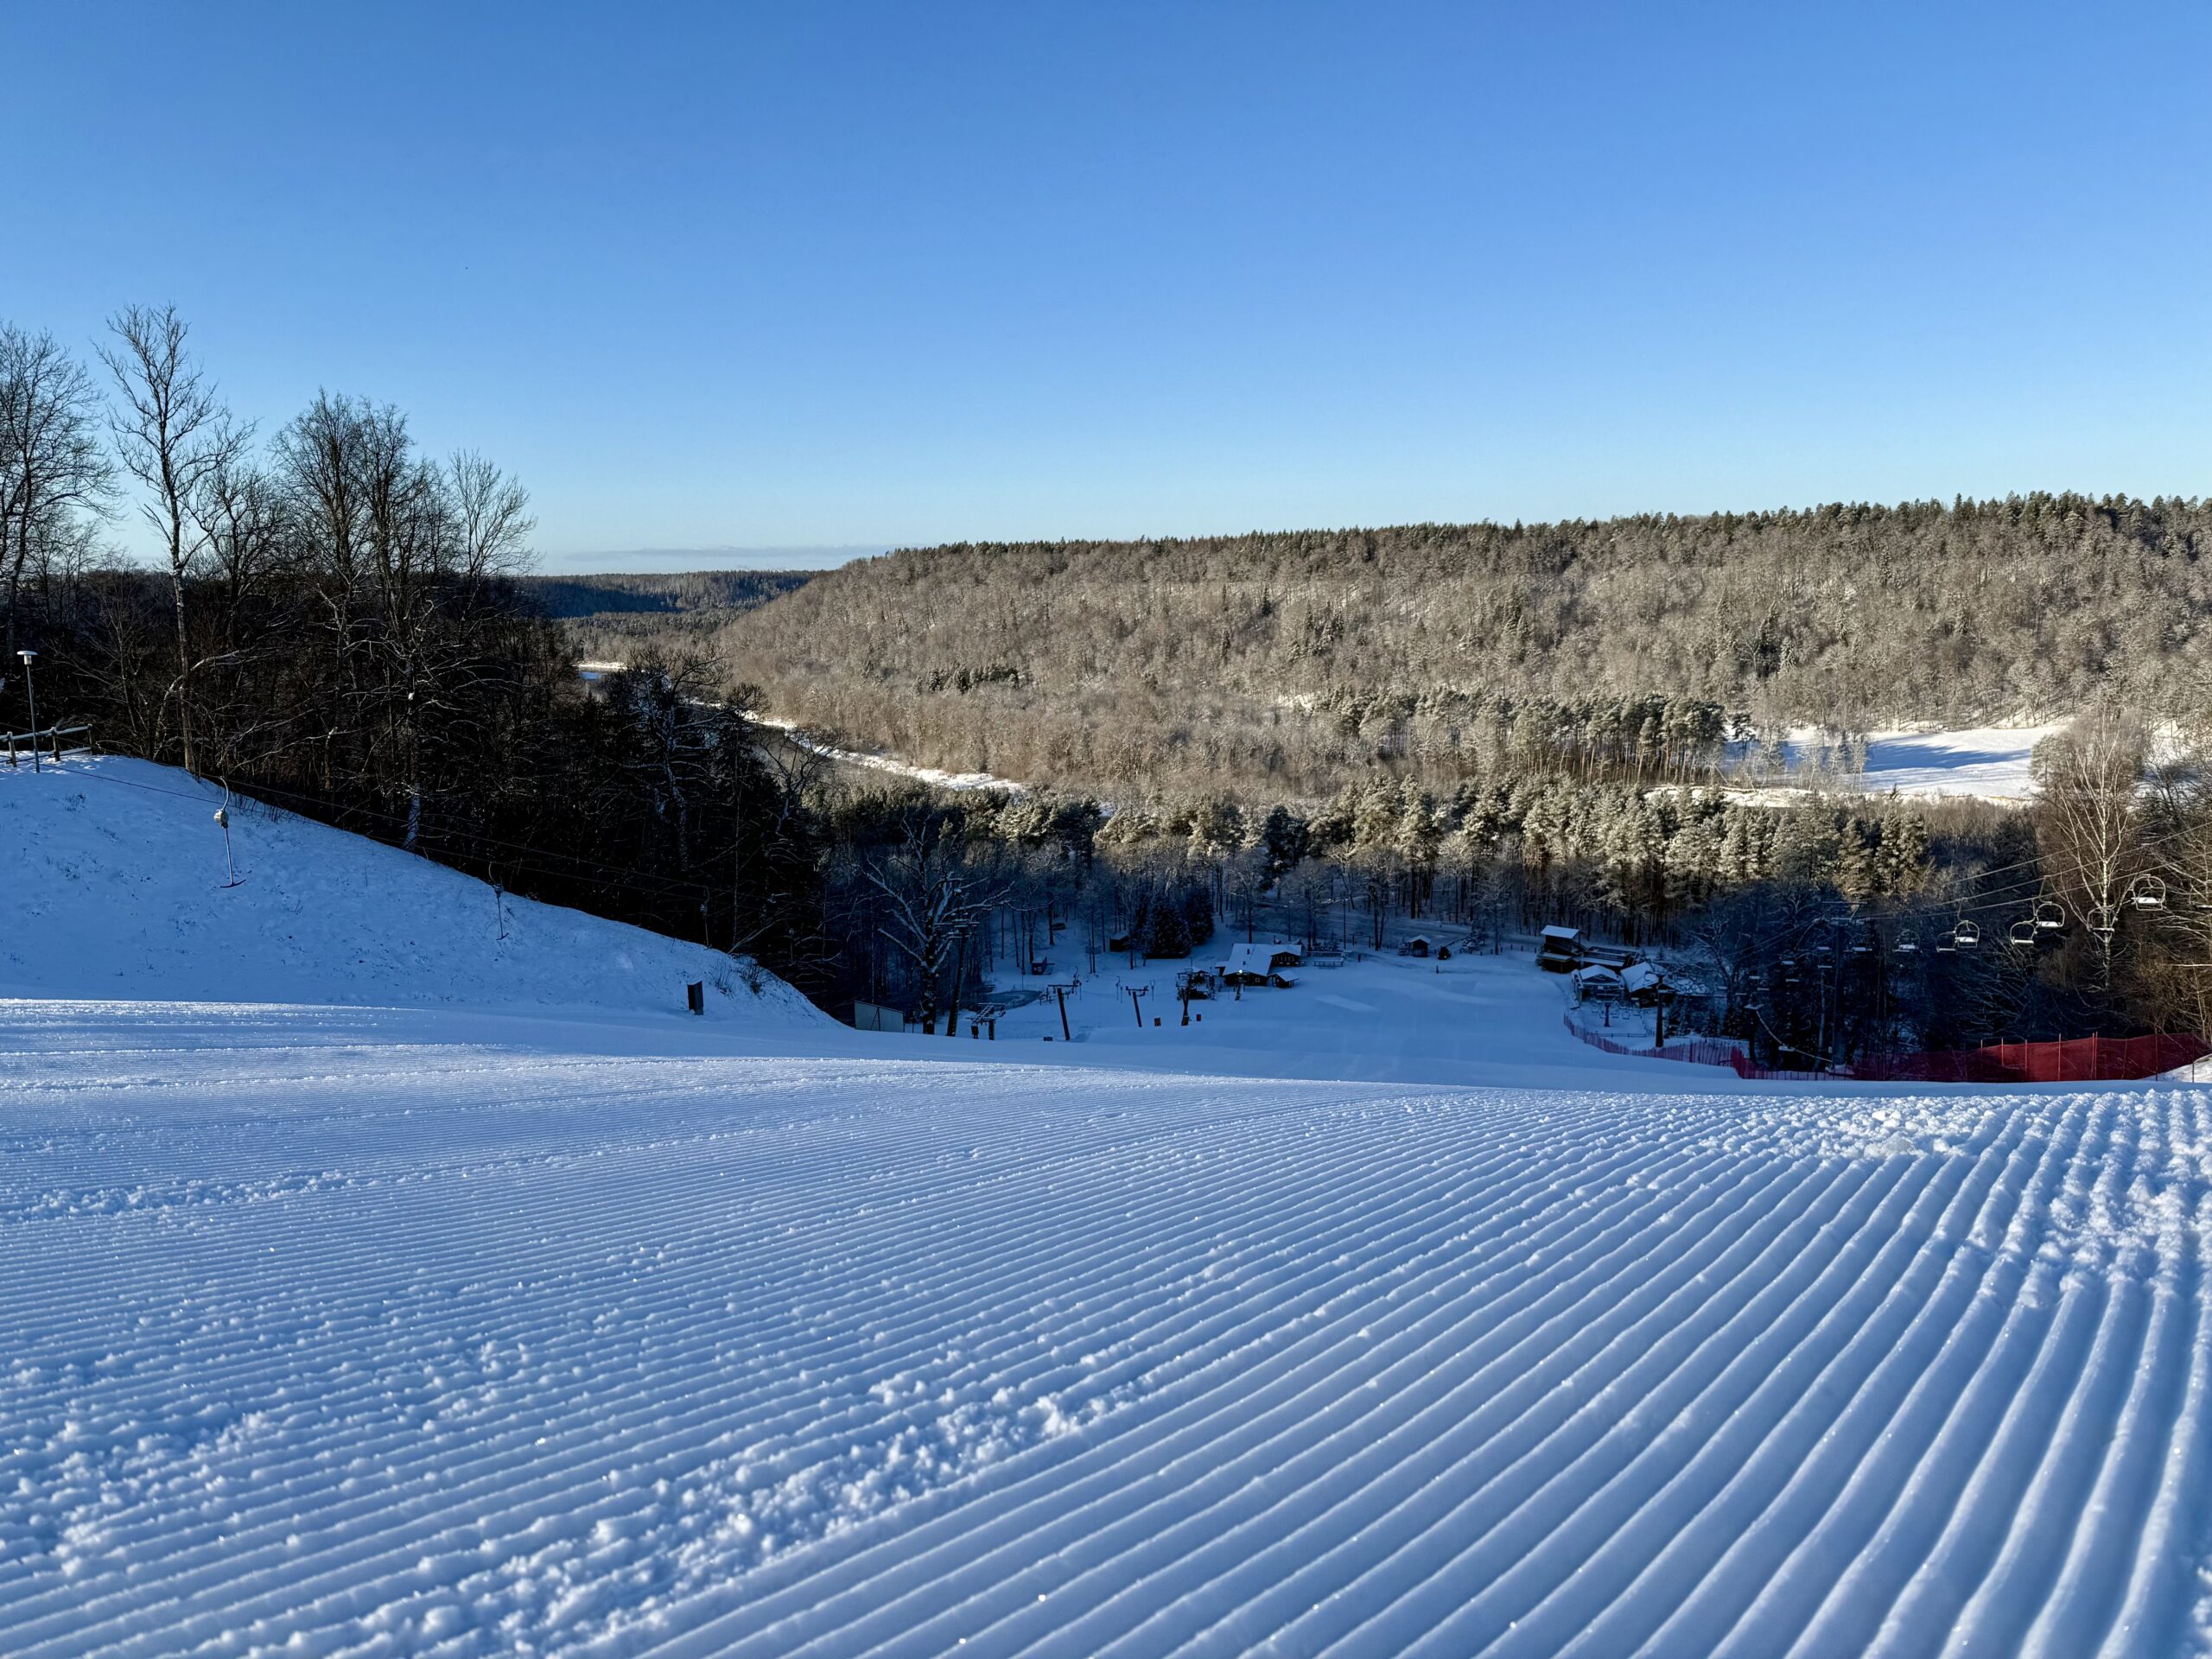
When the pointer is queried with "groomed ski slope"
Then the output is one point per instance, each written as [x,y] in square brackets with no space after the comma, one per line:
[367,1332]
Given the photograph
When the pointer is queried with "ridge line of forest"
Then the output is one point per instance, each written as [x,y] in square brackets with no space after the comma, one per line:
[1283,665]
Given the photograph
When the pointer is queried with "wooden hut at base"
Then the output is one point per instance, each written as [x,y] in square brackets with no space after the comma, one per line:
[1257,964]
[1559,949]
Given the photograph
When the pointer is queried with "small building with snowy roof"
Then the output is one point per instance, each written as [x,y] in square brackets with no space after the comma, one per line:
[1257,964]
[1599,981]
[1642,980]
[1645,984]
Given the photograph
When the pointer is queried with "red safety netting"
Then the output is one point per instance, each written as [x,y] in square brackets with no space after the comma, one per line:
[2076,1059]
[1691,1050]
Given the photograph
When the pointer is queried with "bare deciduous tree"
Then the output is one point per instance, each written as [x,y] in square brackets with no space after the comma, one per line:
[52,465]
[243,523]
[173,433]
[935,902]
[492,521]
[2087,819]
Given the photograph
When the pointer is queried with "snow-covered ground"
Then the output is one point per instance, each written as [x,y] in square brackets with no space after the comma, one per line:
[115,884]
[1493,1020]
[1990,763]
[538,1317]
[429,1332]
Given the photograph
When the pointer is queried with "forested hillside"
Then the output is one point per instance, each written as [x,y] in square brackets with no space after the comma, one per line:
[622,615]
[655,593]
[1292,663]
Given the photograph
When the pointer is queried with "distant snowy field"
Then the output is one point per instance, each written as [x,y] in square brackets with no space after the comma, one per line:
[1386,1019]
[425,1332]
[1990,763]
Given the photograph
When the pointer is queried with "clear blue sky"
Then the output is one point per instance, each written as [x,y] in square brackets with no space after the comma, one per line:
[855,275]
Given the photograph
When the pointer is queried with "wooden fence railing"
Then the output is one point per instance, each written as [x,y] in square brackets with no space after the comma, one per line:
[25,745]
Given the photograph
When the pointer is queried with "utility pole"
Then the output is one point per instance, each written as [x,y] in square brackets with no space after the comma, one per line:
[30,690]
[959,973]
[1061,992]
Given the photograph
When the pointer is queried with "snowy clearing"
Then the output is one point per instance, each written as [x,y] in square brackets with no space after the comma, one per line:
[1990,763]
[1993,762]
[427,1333]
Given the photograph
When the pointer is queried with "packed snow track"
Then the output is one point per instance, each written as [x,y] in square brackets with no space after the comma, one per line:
[366,1331]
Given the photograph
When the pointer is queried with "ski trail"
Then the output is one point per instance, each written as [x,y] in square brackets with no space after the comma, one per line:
[361,1330]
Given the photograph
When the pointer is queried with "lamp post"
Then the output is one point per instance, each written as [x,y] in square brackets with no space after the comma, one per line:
[30,690]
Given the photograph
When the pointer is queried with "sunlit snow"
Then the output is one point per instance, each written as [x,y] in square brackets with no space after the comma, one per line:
[529,1325]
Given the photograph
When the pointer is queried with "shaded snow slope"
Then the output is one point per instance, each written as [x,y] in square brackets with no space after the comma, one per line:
[434,1333]
[114,886]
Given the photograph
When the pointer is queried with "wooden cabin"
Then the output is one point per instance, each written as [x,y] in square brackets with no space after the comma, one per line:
[1559,949]
[1258,965]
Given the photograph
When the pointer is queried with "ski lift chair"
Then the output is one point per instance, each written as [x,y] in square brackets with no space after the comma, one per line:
[2049,916]
[1967,935]
[2147,893]
[2023,933]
